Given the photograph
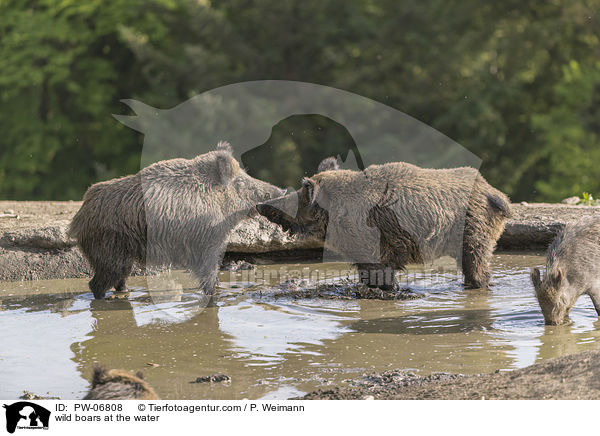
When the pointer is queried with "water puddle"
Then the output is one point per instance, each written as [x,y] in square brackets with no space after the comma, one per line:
[275,347]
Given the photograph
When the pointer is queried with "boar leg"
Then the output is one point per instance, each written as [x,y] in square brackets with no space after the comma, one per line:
[125,272]
[475,264]
[121,286]
[376,275]
[102,281]
[594,293]
[206,269]
[109,274]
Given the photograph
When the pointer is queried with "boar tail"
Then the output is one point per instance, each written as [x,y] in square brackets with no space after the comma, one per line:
[499,204]
[74,229]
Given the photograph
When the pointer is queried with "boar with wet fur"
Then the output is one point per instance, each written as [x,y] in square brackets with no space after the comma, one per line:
[177,212]
[391,215]
[572,269]
[116,384]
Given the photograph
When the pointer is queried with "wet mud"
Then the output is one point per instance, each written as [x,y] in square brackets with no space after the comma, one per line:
[573,377]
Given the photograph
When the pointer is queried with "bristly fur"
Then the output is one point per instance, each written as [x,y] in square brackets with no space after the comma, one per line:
[225,146]
[572,269]
[176,212]
[421,214]
[116,384]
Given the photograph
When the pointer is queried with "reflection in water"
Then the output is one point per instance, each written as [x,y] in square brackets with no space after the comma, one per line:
[54,331]
[265,333]
[36,347]
[438,322]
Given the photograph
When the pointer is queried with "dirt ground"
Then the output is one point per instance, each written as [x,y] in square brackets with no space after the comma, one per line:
[572,377]
[34,244]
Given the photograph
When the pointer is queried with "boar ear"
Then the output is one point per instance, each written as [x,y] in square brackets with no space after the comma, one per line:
[536,278]
[557,278]
[140,375]
[99,375]
[328,164]
[312,190]
[224,168]
[225,146]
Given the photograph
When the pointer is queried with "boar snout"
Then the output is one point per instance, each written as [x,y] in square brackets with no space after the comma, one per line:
[275,215]
[556,319]
[272,192]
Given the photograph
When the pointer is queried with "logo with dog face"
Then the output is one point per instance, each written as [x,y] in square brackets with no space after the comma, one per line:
[26,415]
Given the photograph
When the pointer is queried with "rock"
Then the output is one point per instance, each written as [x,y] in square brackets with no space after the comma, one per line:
[259,235]
[571,200]
[31,396]
[237,265]
[534,227]
[343,289]
[52,237]
[215,378]
[293,285]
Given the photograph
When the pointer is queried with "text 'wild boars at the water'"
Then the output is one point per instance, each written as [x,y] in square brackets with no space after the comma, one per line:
[572,269]
[116,384]
[390,215]
[178,211]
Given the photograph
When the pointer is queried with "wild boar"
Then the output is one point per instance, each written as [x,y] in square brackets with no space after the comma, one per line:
[177,211]
[390,215]
[116,384]
[572,269]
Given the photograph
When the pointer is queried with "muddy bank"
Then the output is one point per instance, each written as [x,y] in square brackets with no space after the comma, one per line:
[34,243]
[343,289]
[572,377]
[534,225]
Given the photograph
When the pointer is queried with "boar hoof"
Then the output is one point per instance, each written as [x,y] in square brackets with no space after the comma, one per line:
[99,295]
[121,287]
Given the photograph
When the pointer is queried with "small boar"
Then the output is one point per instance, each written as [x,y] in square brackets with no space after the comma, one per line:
[116,384]
[572,269]
[177,211]
[390,215]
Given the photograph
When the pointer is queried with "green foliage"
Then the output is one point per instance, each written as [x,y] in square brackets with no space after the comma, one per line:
[63,68]
[588,199]
[517,83]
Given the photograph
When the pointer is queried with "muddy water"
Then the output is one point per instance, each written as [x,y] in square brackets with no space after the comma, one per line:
[52,332]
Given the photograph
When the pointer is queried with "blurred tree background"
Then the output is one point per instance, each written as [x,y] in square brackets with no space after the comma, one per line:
[515,82]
